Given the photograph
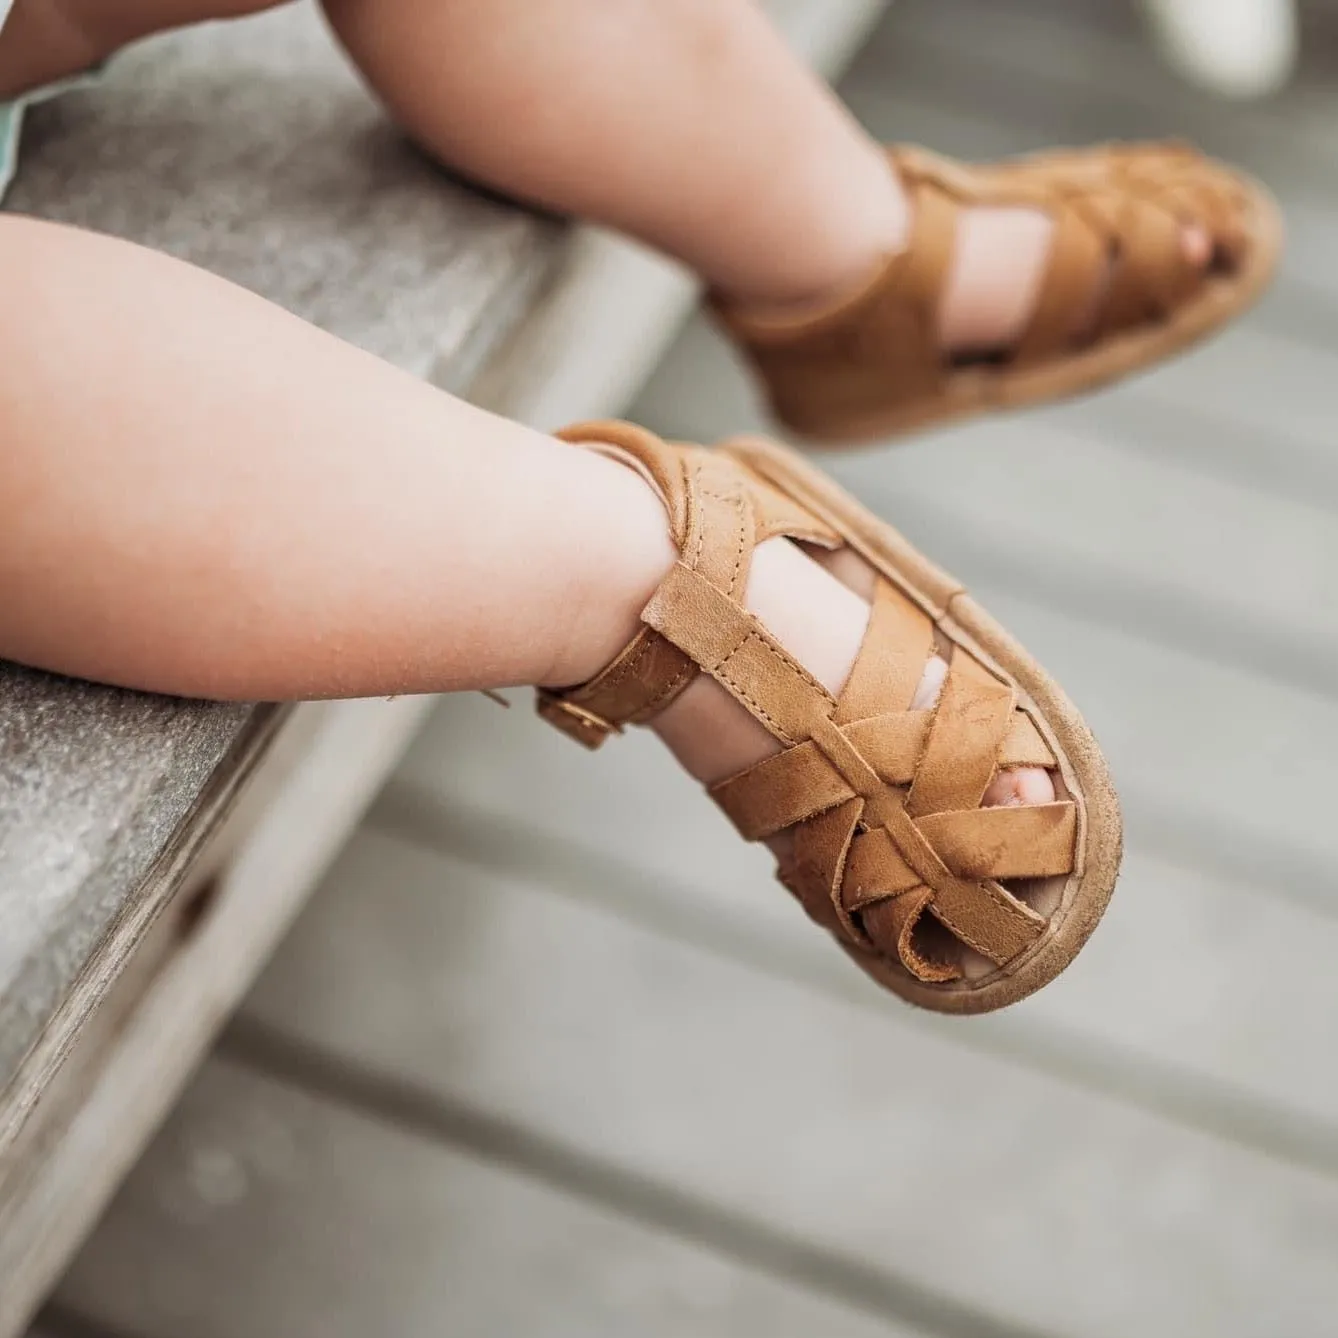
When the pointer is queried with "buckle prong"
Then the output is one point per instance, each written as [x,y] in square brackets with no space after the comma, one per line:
[576,722]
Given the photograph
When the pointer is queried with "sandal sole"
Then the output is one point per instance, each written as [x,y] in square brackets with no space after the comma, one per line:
[1081,764]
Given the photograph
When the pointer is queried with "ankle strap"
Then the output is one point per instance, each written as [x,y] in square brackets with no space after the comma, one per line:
[649,673]
[638,685]
[718,513]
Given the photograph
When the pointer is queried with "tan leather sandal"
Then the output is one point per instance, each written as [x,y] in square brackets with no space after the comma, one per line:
[883,839]
[874,364]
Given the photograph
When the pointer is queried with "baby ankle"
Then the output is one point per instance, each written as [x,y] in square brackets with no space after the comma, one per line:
[840,258]
[625,553]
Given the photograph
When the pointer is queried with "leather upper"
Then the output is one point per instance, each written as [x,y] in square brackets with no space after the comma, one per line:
[1119,214]
[882,802]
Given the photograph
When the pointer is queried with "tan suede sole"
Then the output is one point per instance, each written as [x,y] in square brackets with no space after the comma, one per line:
[973,390]
[1083,769]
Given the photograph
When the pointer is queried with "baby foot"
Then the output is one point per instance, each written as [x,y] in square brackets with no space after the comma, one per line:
[994,281]
[999,285]
[815,603]
[953,827]
[817,607]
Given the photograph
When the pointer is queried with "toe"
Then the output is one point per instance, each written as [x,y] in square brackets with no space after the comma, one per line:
[1231,237]
[1215,209]
[1012,786]
[1016,786]
[1196,243]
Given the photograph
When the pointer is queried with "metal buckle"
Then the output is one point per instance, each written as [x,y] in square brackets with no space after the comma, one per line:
[587,728]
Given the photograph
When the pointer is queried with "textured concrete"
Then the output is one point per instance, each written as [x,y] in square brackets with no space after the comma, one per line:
[94,783]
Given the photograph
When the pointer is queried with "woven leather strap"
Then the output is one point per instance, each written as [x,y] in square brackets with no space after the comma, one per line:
[1119,214]
[882,801]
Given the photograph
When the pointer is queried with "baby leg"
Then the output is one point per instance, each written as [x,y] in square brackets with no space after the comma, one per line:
[45,40]
[691,125]
[201,494]
[223,501]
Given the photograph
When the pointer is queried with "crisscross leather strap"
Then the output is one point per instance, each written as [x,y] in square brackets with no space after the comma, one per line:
[1117,252]
[1119,214]
[882,802]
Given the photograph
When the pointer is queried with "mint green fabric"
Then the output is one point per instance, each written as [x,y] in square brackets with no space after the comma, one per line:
[10,117]
[11,122]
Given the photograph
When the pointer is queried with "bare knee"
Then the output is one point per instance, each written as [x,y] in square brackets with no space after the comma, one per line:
[385,39]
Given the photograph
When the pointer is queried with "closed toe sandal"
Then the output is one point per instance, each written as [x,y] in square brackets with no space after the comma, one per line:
[874,364]
[872,806]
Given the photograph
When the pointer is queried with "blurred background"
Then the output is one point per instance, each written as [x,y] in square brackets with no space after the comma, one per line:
[550,1054]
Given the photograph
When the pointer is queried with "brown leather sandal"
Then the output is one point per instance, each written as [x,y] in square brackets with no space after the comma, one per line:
[874,366]
[877,806]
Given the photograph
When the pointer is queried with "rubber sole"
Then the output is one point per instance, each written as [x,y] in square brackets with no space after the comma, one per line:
[1081,764]
[971,391]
